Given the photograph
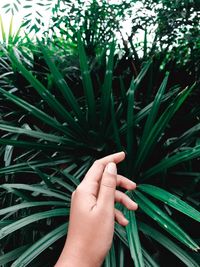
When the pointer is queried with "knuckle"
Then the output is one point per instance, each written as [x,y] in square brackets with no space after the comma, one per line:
[97,162]
[109,181]
[73,193]
[81,188]
[121,199]
[78,190]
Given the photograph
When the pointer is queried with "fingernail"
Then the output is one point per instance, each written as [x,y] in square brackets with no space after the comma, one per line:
[133,183]
[111,168]
[122,152]
[126,221]
[132,205]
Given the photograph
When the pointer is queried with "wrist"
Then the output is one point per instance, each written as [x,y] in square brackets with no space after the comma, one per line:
[74,256]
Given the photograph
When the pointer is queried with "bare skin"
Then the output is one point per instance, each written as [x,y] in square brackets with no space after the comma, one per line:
[93,213]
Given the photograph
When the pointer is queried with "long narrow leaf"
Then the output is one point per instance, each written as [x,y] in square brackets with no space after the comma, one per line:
[168,244]
[45,94]
[164,220]
[142,73]
[130,128]
[169,162]
[159,127]
[115,126]
[10,33]
[87,82]
[121,233]
[187,137]
[12,255]
[25,205]
[170,200]
[107,86]
[39,134]
[38,247]
[149,261]
[27,166]
[30,219]
[110,260]
[145,111]
[35,111]
[63,86]
[32,145]
[150,122]
[2,30]
[134,240]
[37,189]
[121,255]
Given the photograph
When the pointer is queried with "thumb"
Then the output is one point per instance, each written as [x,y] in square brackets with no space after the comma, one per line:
[108,185]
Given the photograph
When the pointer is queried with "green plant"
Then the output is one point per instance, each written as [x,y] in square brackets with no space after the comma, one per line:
[32,19]
[49,142]
[11,38]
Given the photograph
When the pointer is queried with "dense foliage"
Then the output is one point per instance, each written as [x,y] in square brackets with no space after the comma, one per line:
[68,100]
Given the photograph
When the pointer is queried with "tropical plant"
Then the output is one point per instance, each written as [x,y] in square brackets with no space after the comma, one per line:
[33,20]
[98,21]
[50,141]
[11,37]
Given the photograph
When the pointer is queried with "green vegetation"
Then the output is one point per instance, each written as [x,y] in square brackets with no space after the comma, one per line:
[69,98]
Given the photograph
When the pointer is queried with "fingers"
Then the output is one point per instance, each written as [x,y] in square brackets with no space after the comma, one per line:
[106,197]
[116,158]
[96,171]
[125,183]
[125,200]
[119,217]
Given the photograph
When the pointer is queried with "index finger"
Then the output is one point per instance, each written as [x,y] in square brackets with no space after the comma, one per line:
[95,173]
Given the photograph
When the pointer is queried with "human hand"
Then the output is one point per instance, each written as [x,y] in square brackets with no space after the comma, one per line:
[92,215]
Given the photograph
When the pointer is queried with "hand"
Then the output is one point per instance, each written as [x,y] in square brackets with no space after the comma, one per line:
[92,215]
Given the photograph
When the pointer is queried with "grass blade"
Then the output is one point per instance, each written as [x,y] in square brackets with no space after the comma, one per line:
[169,162]
[39,246]
[107,86]
[145,111]
[63,86]
[3,34]
[45,94]
[35,111]
[38,134]
[37,189]
[187,138]
[10,33]
[134,240]
[170,200]
[121,233]
[149,262]
[12,255]
[87,82]
[163,220]
[116,135]
[168,244]
[159,126]
[25,205]
[110,260]
[30,219]
[120,254]
[142,73]
[27,166]
[32,145]
[130,136]
[150,122]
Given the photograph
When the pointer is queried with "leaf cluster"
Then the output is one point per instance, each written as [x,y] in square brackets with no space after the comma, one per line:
[51,134]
